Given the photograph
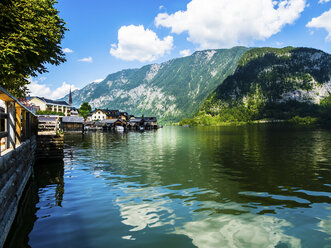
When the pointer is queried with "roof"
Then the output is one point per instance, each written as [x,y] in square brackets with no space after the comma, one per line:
[50,101]
[5,96]
[93,111]
[146,119]
[135,120]
[151,119]
[73,119]
[47,118]
[111,121]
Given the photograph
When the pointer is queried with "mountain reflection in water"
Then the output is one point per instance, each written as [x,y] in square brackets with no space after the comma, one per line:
[254,186]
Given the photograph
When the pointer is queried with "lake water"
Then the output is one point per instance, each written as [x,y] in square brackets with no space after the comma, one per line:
[254,186]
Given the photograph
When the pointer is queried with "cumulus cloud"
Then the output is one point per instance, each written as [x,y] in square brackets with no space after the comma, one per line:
[323,1]
[185,52]
[42,90]
[62,90]
[138,43]
[37,89]
[67,50]
[88,59]
[323,21]
[215,24]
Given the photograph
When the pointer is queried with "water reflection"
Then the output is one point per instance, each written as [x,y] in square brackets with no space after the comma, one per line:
[46,176]
[246,230]
[255,186]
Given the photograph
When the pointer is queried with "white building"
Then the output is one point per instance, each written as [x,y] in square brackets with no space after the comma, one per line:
[50,105]
[97,115]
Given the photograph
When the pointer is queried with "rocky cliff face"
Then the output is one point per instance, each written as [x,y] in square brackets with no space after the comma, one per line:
[171,90]
[267,76]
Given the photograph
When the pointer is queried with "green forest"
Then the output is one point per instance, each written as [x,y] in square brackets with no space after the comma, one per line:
[256,90]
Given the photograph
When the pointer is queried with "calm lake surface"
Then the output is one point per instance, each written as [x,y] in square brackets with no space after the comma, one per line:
[254,186]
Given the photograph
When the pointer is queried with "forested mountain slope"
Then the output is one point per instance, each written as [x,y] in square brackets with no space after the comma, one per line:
[271,83]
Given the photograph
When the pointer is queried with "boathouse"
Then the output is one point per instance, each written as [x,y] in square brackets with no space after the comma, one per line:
[72,124]
[134,124]
[111,123]
[150,122]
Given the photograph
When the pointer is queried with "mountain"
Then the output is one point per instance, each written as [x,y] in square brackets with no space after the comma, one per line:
[170,91]
[271,83]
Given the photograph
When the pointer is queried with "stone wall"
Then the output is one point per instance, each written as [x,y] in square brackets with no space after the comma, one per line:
[15,170]
[49,146]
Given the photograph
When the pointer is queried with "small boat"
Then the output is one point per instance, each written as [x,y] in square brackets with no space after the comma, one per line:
[119,128]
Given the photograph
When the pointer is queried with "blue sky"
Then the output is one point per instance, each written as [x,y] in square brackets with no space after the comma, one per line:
[108,35]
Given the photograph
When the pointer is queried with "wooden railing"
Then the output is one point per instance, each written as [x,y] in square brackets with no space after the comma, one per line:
[17,123]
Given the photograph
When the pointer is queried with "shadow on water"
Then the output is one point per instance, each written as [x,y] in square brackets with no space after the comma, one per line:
[45,175]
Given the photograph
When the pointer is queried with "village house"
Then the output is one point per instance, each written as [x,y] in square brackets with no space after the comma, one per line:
[97,115]
[74,111]
[45,104]
[108,119]
[116,114]
[143,122]
[102,114]
[112,123]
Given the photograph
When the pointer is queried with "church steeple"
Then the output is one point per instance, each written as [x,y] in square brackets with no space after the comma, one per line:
[70,98]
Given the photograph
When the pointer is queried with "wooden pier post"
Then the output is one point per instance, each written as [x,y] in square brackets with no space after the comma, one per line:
[11,123]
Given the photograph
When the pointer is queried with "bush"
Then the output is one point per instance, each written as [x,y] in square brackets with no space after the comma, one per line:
[49,112]
[306,121]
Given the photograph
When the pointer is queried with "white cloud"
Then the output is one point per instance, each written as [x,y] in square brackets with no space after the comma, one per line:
[43,91]
[67,50]
[38,89]
[62,90]
[323,21]
[88,59]
[185,52]
[138,43]
[323,1]
[215,24]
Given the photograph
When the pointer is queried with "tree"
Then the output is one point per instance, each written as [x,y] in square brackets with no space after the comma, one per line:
[84,109]
[30,37]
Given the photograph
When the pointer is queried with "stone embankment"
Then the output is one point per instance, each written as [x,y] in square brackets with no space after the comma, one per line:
[16,167]
[49,146]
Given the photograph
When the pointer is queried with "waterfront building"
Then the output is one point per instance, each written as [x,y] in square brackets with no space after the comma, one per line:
[150,122]
[97,115]
[112,123]
[45,104]
[72,124]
